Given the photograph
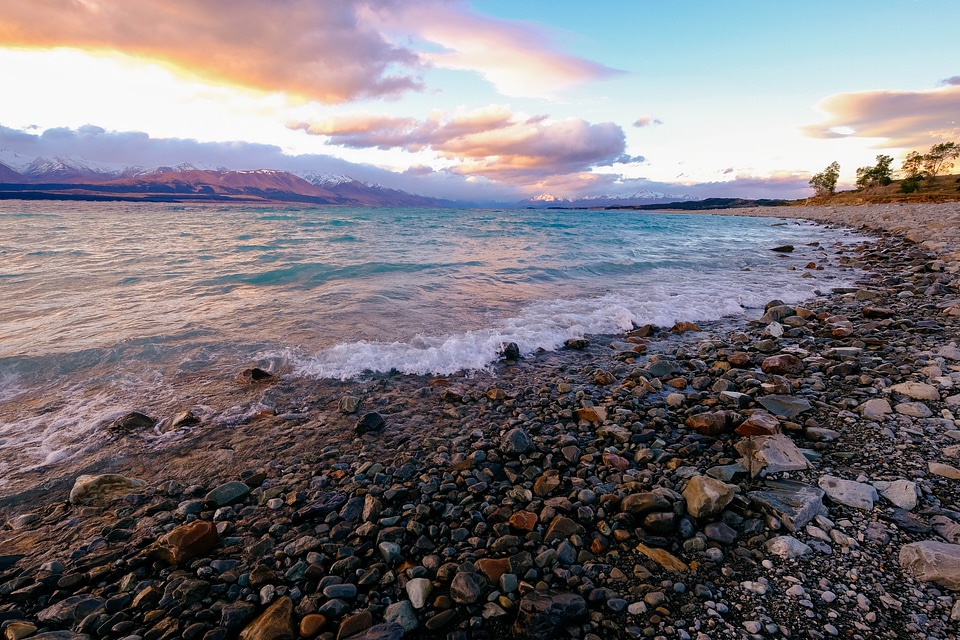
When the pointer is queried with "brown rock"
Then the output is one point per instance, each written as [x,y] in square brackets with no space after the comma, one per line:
[523,521]
[783,363]
[713,423]
[645,502]
[352,625]
[604,377]
[740,359]
[561,528]
[547,483]
[611,459]
[186,542]
[878,312]
[273,624]
[682,327]
[664,558]
[312,624]
[760,423]
[591,414]
[493,568]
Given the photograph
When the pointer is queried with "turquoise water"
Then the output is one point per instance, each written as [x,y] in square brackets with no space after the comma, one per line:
[108,307]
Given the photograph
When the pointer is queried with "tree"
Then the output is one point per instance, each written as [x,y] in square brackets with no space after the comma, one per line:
[825,182]
[939,157]
[912,170]
[879,175]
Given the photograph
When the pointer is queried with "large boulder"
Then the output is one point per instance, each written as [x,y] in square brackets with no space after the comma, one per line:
[933,561]
[706,496]
[94,488]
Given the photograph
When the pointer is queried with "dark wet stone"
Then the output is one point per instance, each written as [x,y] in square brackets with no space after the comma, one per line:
[71,610]
[542,614]
[131,422]
[319,508]
[516,441]
[785,248]
[255,375]
[511,351]
[385,631]
[226,494]
[370,423]
[577,344]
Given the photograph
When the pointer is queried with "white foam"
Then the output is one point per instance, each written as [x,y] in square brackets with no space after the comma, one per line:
[548,324]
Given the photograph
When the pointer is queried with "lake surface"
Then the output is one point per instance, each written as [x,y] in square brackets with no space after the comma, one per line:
[106,308]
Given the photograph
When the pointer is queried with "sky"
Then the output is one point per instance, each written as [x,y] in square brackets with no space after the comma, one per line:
[489,99]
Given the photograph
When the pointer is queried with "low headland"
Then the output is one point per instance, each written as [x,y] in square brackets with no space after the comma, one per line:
[794,475]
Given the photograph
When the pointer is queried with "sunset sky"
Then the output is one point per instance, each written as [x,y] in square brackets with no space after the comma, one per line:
[496,99]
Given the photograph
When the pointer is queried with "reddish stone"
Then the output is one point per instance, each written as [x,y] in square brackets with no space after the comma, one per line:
[493,568]
[760,423]
[740,359]
[783,363]
[713,423]
[186,542]
[613,460]
[591,414]
[604,377]
[682,327]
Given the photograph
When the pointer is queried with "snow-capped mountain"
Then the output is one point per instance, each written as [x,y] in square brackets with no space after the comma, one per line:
[607,200]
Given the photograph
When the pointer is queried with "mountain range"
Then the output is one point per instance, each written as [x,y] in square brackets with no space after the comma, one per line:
[72,178]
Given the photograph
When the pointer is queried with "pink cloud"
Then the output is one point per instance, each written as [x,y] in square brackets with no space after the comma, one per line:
[519,59]
[647,121]
[489,142]
[905,119]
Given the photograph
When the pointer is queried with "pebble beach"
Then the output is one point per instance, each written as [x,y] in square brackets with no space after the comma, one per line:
[796,475]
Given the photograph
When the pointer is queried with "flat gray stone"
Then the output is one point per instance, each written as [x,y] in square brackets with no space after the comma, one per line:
[764,455]
[788,406]
[902,493]
[875,409]
[787,547]
[226,494]
[853,494]
[794,503]
[932,561]
[913,409]
[917,390]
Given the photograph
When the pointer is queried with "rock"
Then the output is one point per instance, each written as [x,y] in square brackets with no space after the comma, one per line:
[785,248]
[917,390]
[312,624]
[591,414]
[875,409]
[616,432]
[226,494]
[94,488]
[852,494]
[782,364]
[17,630]
[759,423]
[371,422]
[384,631]
[645,502]
[902,493]
[516,442]
[523,521]
[186,542]
[561,528]
[683,327]
[184,419]
[707,497]
[255,376]
[403,614]
[787,406]
[794,503]
[787,547]
[932,561]
[714,423]
[542,615]
[878,312]
[356,625]
[763,455]
[273,624]
[131,422]
[913,409]
[511,352]
[944,470]
[466,587]
[664,558]
[71,610]
[576,344]
[348,404]
[950,352]
[417,590]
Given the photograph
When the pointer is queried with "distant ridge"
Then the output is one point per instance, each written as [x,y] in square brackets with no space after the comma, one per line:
[76,179]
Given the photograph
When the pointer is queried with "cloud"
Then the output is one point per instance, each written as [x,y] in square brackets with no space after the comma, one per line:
[519,59]
[490,142]
[905,119]
[332,51]
[955,80]
[647,121]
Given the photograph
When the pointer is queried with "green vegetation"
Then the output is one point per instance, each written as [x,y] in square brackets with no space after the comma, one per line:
[879,175]
[924,178]
[825,182]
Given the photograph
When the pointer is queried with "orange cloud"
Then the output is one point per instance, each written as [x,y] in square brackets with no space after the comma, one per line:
[905,119]
[491,142]
[332,52]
